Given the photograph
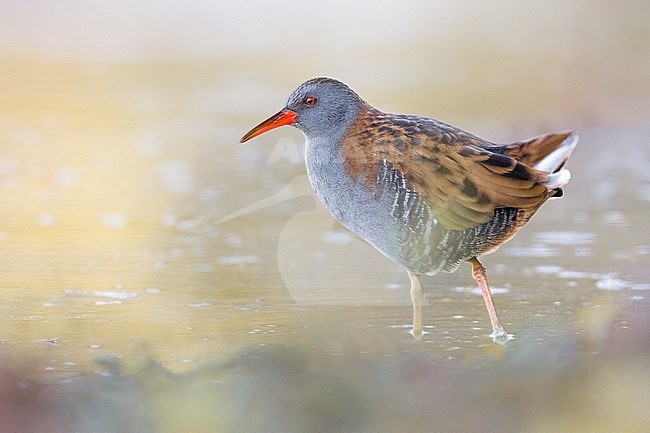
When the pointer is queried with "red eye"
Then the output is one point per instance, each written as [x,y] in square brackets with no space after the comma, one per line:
[310,100]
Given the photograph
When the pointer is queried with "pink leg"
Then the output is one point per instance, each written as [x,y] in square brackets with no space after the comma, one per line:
[499,335]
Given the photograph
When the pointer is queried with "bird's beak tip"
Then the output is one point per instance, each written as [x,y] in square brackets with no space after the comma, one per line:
[281,118]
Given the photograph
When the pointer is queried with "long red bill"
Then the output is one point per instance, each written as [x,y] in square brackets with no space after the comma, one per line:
[281,118]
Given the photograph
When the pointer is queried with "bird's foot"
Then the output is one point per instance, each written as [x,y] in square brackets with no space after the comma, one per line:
[417,333]
[501,337]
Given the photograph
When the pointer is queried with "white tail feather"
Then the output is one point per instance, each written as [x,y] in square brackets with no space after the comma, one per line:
[556,158]
[559,179]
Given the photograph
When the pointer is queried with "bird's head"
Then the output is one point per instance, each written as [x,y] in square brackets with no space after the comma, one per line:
[318,107]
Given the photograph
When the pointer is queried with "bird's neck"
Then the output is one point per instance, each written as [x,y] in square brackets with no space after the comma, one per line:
[356,148]
[344,150]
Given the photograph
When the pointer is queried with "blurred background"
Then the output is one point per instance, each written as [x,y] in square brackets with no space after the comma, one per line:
[155,275]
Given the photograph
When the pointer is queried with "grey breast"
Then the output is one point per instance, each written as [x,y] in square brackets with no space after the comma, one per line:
[390,216]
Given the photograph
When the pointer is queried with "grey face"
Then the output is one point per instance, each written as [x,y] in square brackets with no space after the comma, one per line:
[325,107]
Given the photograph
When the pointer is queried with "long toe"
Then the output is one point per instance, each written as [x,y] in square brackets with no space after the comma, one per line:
[501,337]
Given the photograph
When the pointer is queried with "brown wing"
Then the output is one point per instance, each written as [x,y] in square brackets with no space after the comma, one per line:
[456,173]
[464,183]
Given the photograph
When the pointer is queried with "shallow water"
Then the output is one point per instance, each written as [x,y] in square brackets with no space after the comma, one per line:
[134,225]
[164,230]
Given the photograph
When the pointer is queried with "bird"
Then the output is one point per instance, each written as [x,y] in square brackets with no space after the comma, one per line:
[426,194]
